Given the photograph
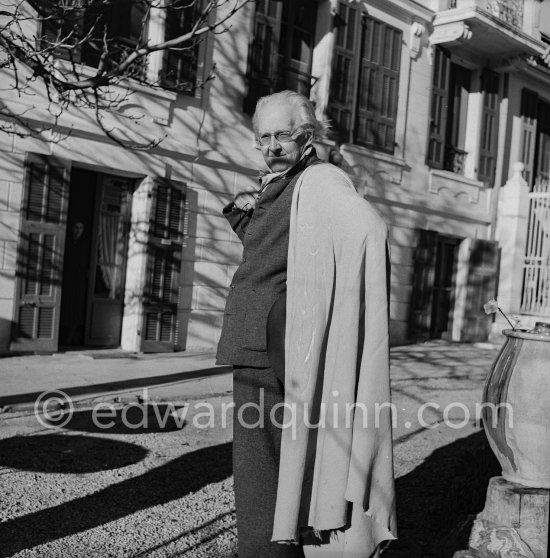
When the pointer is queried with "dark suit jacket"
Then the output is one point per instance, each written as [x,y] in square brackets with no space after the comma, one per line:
[261,277]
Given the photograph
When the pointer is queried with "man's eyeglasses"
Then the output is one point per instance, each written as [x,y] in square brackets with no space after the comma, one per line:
[282,137]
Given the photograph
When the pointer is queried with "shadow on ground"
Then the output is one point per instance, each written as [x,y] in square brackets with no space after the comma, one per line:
[61,453]
[437,502]
[175,479]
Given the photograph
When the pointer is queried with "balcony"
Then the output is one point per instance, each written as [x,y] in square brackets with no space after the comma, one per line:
[499,29]
[509,11]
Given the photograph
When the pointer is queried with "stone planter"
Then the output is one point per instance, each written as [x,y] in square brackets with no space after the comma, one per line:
[516,410]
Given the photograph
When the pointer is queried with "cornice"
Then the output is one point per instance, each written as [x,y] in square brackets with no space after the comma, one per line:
[527,65]
[405,10]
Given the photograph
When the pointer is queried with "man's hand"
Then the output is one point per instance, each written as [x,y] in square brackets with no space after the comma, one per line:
[246,201]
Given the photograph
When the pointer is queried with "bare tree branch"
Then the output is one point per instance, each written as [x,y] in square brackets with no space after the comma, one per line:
[81,54]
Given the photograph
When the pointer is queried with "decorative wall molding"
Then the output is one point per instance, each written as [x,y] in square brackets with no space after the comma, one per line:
[455,185]
[450,33]
[415,40]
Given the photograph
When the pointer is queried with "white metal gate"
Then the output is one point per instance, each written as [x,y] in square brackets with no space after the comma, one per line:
[536,270]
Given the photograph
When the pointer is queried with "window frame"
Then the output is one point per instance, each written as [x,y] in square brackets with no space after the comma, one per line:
[351,76]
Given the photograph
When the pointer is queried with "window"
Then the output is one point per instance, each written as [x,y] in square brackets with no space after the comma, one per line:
[449,109]
[535,134]
[451,87]
[75,31]
[364,89]
[124,22]
[61,28]
[83,32]
[281,49]
[179,71]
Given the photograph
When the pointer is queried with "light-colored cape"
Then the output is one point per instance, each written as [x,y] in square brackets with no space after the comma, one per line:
[337,357]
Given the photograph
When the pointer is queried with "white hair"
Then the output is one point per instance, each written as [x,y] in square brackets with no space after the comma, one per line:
[304,107]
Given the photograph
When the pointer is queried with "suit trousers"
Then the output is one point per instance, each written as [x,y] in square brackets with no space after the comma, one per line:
[257,426]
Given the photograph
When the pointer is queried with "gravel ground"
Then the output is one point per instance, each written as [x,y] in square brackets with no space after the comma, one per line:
[165,490]
[82,492]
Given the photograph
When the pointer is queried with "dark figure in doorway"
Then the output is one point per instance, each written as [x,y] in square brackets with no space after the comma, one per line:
[75,283]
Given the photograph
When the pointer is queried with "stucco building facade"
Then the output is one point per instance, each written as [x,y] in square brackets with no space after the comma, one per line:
[432,104]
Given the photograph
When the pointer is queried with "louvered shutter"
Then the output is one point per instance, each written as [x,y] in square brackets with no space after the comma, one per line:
[421,308]
[489,128]
[529,106]
[40,256]
[161,297]
[342,87]
[263,52]
[439,109]
[378,85]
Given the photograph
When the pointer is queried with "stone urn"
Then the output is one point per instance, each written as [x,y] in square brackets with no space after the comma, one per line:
[516,406]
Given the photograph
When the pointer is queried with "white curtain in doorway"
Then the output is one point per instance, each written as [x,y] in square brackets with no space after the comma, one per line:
[108,251]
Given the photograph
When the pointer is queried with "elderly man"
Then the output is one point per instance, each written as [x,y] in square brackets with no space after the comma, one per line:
[305,328]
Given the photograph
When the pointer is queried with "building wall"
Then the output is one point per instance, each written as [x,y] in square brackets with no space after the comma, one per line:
[208,146]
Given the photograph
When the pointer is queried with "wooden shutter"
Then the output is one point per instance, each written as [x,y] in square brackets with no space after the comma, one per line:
[161,297]
[489,128]
[423,283]
[542,157]
[378,85]
[481,286]
[439,109]
[342,84]
[40,256]
[529,104]
[263,53]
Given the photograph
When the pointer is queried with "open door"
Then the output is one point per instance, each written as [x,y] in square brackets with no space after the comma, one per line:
[446,263]
[434,282]
[164,250]
[40,255]
[481,286]
[422,296]
[108,261]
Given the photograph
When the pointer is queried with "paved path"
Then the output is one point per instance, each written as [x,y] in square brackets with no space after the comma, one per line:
[99,375]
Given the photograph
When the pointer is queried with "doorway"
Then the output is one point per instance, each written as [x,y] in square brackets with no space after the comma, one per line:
[452,279]
[444,285]
[434,283]
[95,258]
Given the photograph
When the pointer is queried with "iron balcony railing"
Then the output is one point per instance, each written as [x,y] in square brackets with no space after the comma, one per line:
[509,11]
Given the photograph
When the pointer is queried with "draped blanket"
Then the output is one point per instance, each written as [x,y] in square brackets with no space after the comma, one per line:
[336,450]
